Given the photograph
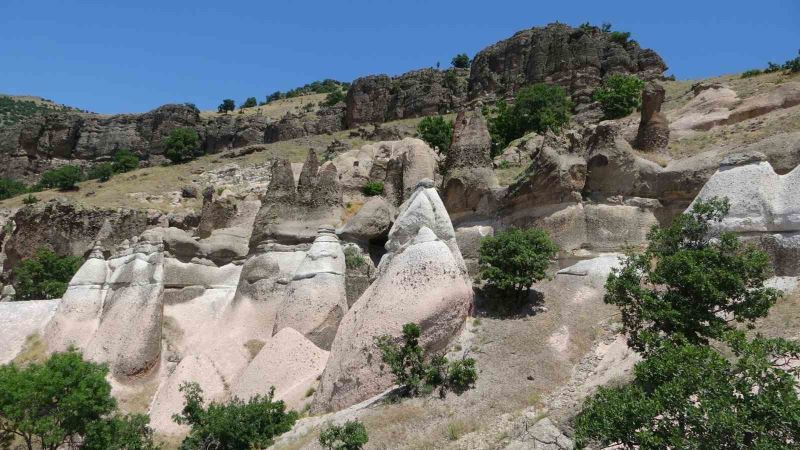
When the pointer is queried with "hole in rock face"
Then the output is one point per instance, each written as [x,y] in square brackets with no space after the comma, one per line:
[598,161]
[377,249]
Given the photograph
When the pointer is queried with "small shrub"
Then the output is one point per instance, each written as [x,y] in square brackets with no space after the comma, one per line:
[372,188]
[45,275]
[333,98]
[504,164]
[407,362]
[620,37]
[437,132]
[234,426]
[751,73]
[11,188]
[353,258]
[538,108]
[460,61]
[249,103]
[102,172]
[620,95]
[63,178]
[226,106]
[30,199]
[514,259]
[350,436]
[124,161]
[182,145]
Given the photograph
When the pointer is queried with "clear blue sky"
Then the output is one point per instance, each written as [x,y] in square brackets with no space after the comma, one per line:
[131,56]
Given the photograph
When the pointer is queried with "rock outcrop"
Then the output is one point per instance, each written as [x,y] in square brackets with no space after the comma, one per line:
[653,133]
[295,125]
[292,214]
[763,207]
[575,58]
[380,98]
[399,165]
[425,269]
[370,223]
[469,183]
[316,299]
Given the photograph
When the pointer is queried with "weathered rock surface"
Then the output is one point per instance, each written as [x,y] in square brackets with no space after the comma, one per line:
[428,275]
[380,98]
[653,133]
[290,214]
[469,182]
[289,362]
[574,58]
[129,334]
[371,222]
[399,165]
[70,229]
[21,320]
[295,125]
[316,298]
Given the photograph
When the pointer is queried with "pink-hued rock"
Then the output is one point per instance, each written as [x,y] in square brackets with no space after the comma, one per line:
[289,362]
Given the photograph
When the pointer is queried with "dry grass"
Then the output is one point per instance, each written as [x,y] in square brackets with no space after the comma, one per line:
[509,175]
[275,110]
[33,351]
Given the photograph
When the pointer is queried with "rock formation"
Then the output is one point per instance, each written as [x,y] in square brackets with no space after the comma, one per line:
[295,125]
[379,98]
[653,133]
[292,214]
[315,299]
[575,58]
[469,179]
[372,221]
[424,268]
[399,165]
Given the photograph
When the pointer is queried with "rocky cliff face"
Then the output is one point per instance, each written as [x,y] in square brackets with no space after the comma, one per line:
[380,98]
[575,58]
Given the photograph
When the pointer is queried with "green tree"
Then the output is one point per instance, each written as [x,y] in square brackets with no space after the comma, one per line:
[686,291]
[124,161]
[45,275]
[689,396]
[226,106]
[63,178]
[66,402]
[416,373]
[102,172]
[11,188]
[460,61]
[538,108]
[333,98]
[437,132]
[690,284]
[182,145]
[277,95]
[350,436]
[513,259]
[249,103]
[237,425]
[620,95]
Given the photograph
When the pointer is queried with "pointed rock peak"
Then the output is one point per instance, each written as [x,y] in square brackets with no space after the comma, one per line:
[281,185]
[425,183]
[471,146]
[309,172]
[327,190]
[424,234]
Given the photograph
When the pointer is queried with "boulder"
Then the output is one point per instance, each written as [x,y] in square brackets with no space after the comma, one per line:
[315,299]
[371,222]
[653,133]
[288,362]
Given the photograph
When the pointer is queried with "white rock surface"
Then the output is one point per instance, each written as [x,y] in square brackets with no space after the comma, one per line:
[289,362]
[18,321]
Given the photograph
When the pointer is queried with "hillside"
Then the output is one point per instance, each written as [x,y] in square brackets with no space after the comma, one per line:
[303,232]
[16,108]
